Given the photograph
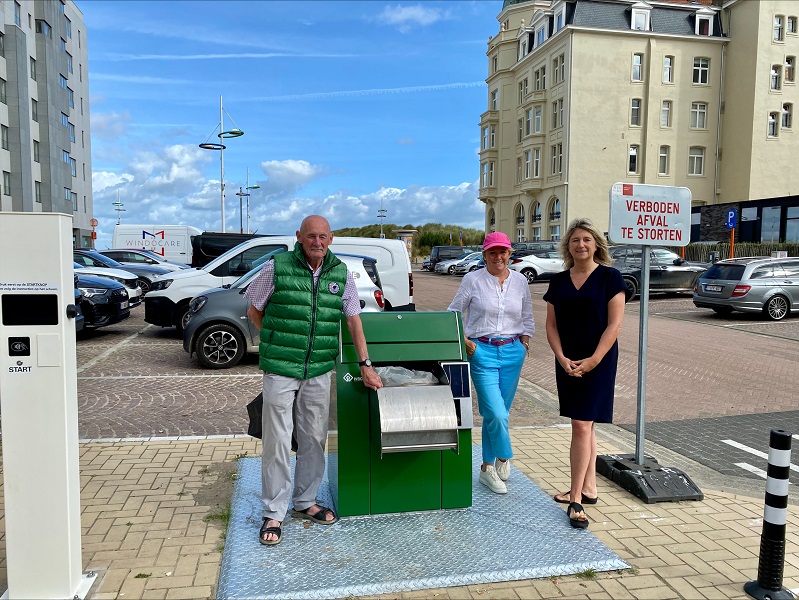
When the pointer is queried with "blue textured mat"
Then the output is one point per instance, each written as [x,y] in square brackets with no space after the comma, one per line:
[392,553]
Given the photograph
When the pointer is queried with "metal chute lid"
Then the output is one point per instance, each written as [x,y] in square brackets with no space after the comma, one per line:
[417,418]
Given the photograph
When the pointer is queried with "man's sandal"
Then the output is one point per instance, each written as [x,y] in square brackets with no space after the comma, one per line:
[576,522]
[266,530]
[317,517]
[562,498]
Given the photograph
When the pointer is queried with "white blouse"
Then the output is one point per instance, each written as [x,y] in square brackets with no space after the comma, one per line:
[491,311]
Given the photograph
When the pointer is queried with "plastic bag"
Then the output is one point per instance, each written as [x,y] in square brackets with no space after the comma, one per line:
[400,376]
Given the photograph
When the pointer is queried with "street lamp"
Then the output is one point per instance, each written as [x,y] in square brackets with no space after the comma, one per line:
[222,135]
[241,194]
[248,188]
[381,214]
[118,206]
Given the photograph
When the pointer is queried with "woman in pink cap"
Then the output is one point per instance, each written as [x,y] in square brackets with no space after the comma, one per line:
[498,322]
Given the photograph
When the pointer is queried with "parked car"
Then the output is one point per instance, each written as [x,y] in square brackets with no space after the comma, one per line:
[540,264]
[760,284]
[146,273]
[448,266]
[220,333]
[668,272]
[441,253]
[549,245]
[468,264]
[80,320]
[104,301]
[126,278]
[127,256]
[426,265]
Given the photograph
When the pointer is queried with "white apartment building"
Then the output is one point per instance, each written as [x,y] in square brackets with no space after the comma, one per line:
[585,93]
[45,155]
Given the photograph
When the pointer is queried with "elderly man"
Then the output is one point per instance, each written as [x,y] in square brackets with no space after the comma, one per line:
[297,301]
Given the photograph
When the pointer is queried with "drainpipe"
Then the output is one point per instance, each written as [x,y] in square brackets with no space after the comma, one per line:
[718,126]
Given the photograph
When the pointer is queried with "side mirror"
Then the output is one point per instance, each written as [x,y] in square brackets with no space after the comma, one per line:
[679,261]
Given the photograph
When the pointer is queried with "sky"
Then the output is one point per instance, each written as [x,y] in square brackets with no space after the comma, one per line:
[343,105]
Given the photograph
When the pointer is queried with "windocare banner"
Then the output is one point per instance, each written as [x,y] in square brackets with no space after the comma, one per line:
[650,215]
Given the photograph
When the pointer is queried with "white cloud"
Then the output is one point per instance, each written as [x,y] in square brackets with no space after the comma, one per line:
[110,125]
[371,92]
[406,17]
[287,176]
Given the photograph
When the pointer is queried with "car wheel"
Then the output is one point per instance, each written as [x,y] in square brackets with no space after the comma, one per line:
[631,286]
[530,274]
[473,268]
[776,308]
[182,317]
[451,270]
[219,346]
[722,310]
[144,284]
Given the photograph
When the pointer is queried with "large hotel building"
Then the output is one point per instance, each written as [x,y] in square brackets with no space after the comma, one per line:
[45,155]
[586,93]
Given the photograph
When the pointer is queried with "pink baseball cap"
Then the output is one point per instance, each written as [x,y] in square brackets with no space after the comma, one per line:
[496,239]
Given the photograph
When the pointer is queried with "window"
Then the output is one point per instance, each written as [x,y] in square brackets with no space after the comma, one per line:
[540,36]
[44,28]
[640,19]
[64,120]
[537,119]
[635,112]
[554,233]
[484,175]
[68,24]
[2,45]
[791,25]
[554,212]
[668,69]
[69,63]
[638,67]
[554,114]
[792,228]
[665,114]
[35,151]
[770,224]
[559,20]
[522,49]
[491,173]
[494,103]
[33,68]
[73,198]
[521,129]
[557,159]
[632,164]
[778,31]
[559,69]
[71,128]
[34,110]
[492,138]
[63,44]
[4,137]
[38,189]
[494,64]
[772,124]
[790,69]
[521,92]
[73,167]
[71,96]
[540,79]
[537,168]
[537,212]
[527,164]
[776,79]
[6,183]
[696,160]
[787,116]
[663,161]
[62,81]
[701,71]
[518,169]
[528,121]
[485,138]
[17,14]
[3,91]
[704,25]
[698,115]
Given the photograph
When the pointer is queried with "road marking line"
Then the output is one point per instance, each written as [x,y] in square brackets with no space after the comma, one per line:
[113,349]
[755,470]
[170,376]
[735,444]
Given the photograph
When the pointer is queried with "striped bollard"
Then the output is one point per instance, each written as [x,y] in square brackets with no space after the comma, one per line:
[772,541]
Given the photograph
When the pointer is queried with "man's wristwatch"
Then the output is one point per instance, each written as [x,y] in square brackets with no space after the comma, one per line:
[365,363]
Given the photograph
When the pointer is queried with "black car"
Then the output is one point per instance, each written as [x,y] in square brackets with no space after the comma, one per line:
[104,301]
[668,272]
[145,273]
[80,321]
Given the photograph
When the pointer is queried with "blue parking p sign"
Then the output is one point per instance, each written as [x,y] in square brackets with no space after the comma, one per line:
[732,218]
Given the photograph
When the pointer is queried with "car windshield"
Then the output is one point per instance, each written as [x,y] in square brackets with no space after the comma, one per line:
[729,272]
[108,262]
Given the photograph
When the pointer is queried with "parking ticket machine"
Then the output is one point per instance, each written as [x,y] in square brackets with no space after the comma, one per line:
[39,404]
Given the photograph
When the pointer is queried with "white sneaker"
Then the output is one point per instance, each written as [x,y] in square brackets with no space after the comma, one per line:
[503,469]
[491,480]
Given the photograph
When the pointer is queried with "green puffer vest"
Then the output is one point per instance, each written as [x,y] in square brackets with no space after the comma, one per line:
[299,332]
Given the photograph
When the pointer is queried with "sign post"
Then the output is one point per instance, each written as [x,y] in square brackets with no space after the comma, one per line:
[648,215]
[730,223]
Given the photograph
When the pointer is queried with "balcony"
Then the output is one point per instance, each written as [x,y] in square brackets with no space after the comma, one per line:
[530,185]
[520,220]
[536,218]
[554,216]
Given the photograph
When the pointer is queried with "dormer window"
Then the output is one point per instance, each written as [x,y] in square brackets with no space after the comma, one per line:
[640,16]
[703,22]
[522,48]
[540,36]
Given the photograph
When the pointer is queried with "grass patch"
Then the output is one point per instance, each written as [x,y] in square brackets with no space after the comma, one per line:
[242,455]
[223,516]
[587,574]
[142,575]
[204,471]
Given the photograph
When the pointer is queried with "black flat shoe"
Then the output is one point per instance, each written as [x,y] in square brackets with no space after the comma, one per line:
[577,523]
[561,498]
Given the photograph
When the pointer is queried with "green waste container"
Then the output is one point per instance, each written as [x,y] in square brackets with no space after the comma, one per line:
[404,449]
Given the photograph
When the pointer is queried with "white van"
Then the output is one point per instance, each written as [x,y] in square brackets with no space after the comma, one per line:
[167,302]
[173,242]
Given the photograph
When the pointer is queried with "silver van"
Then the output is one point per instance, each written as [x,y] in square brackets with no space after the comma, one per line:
[759,284]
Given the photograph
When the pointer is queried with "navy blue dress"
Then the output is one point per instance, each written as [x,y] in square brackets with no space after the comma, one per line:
[582,317]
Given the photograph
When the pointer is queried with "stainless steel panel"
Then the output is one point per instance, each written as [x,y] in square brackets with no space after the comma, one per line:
[417,418]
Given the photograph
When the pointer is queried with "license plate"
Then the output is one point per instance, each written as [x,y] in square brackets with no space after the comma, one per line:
[123,304]
[712,288]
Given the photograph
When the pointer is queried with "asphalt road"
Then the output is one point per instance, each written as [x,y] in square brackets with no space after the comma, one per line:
[709,379]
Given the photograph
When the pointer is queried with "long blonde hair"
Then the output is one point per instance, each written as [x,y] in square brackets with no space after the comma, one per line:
[601,255]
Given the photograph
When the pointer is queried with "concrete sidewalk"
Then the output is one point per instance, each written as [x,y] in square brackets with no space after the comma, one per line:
[146,531]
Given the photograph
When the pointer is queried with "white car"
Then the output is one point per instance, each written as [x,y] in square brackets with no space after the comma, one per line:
[448,266]
[541,264]
[126,278]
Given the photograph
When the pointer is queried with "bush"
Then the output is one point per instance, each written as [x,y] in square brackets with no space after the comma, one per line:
[701,252]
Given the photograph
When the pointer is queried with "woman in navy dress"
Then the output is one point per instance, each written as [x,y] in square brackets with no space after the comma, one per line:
[585,307]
